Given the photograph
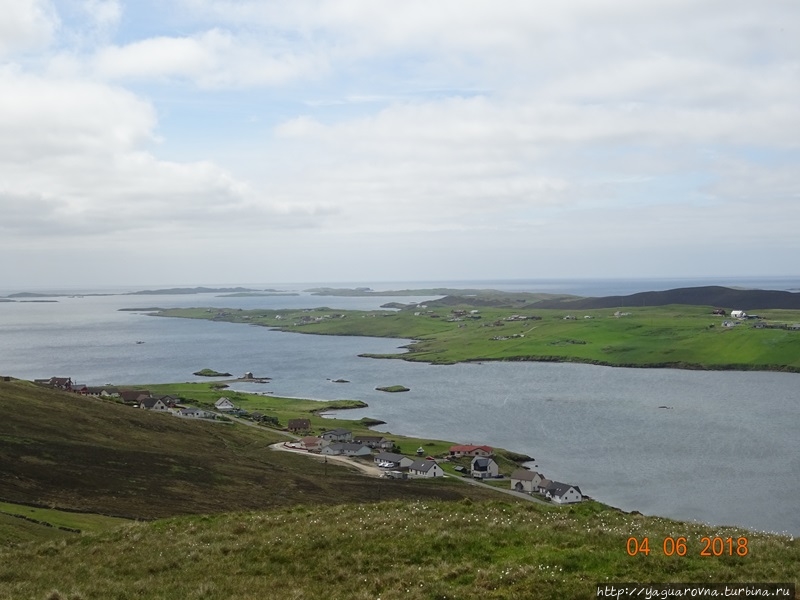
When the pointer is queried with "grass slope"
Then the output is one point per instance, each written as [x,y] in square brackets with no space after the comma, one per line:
[84,454]
[410,550]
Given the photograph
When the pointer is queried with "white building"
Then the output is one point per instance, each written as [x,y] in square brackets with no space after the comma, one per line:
[425,468]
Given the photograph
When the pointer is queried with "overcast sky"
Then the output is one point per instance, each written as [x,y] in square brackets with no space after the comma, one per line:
[203,141]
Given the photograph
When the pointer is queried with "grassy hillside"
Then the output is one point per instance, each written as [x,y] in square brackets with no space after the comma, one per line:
[675,335]
[66,451]
[410,550]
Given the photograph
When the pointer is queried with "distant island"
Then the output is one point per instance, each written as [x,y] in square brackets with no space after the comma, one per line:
[193,290]
[211,373]
[393,388]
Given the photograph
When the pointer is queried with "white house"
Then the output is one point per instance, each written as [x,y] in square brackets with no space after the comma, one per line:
[194,413]
[523,480]
[738,314]
[224,405]
[563,493]
[346,449]
[153,404]
[425,468]
[483,467]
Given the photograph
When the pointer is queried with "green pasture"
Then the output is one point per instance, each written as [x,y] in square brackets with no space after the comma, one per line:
[665,336]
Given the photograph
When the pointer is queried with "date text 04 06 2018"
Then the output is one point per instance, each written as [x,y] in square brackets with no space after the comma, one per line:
[709,546]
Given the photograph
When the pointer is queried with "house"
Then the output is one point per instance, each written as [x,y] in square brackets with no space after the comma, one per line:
[59,383]
[346,449]
[79,388]
[374,441]
[563,493]
[470,450]
[194,413]
[168,400]
[110,392]
[483,467]
[94,391]
[719,311]
[299,425]
[390,460]
[311,443]
[425,468]
[132,396]
[523,480]
[150,403]
[338,435]
[542,487]
[224,405]
[738,314]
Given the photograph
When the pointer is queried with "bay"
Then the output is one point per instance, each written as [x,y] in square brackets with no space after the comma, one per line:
[726,451]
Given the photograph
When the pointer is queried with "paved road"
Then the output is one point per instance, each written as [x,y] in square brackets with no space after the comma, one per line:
[370,470]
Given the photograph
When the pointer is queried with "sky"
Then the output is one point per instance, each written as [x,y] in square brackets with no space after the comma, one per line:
[200,141]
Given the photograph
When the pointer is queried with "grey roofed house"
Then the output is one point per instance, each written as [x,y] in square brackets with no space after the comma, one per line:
[374,441]
[346,449]
[390,460]
[484,467]
[152,403]
[337,435]
[563,493]
[426,468]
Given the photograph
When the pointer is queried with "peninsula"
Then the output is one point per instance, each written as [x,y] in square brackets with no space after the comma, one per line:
[692,328]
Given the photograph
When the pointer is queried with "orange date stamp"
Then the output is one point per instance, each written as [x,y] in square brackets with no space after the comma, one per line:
[709,546]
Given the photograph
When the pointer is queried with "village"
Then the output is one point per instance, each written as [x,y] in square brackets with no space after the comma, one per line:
[474,462]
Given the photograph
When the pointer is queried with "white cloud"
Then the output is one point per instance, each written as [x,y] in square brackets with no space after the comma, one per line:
[26,25]
[74,162]
[212,59]
[104,14]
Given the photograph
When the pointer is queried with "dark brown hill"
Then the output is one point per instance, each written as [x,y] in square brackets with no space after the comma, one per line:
[697,296]
[85,454]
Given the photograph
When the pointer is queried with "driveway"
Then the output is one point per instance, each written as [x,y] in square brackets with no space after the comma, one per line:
[368,469]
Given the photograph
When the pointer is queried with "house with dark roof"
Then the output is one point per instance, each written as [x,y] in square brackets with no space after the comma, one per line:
[337,435]
[374,441]
[391,460]
[132,396]
[299,425]
[483,467]
[563,493]
[523,480]
[150,403]
[425,468]
[59,383]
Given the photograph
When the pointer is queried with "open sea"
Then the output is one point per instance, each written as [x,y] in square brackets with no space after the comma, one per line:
[726,453]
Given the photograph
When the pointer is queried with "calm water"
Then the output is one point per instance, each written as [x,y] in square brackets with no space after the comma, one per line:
[725,453]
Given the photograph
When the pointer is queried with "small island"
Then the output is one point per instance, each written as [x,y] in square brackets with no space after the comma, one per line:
[393,388]
[210,373]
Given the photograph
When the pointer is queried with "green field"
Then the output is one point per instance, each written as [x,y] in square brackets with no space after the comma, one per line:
[678,336]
